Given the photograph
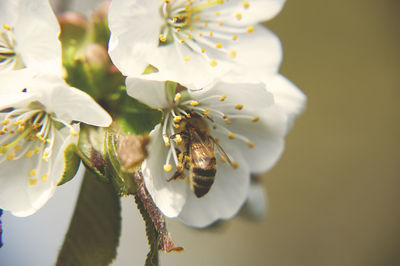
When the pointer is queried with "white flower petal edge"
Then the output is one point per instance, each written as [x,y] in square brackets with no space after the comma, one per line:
[29,35]
[242,118]
[224,200]
[192,42]
[36,127]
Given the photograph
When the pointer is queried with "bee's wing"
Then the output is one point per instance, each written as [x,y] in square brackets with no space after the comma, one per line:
[221,151]
[201,152]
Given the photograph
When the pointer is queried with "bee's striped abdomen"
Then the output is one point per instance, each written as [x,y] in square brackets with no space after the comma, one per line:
[203,177]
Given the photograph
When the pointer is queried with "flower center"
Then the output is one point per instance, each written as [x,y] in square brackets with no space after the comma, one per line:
[9,59]
[29,133]
[205,117]
[203,27]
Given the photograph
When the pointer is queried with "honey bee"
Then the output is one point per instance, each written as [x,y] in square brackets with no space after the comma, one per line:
[198,155]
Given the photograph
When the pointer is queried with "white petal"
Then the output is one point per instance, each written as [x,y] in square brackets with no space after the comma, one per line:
[225,198]
[252,96]
[267,135]
[168,196]
[15,81]
[258,10]
[135,28]
[36,32]
[8,13]
[19,99]
[149,92]
[256,206]
[258,54]
[194,73]
[287,96]
[67,102]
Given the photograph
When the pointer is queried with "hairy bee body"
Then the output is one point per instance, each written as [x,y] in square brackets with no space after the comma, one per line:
[198,155]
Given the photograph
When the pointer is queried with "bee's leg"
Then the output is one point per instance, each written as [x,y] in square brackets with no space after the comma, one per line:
[179,175]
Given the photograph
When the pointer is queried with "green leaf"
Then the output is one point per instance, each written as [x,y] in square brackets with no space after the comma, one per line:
[71,162]
[137,118]
[170,88]
[94,231]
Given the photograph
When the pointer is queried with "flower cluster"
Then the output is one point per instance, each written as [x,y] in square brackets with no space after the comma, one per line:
[39,112]
[226,109]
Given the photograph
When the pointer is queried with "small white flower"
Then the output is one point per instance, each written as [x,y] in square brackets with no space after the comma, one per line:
[193,41]
[241,118]
[29,36]
[38,121]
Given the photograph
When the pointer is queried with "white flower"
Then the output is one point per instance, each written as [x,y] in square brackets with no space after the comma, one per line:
[39,117]
[29,36]
[242,118]
[193,41]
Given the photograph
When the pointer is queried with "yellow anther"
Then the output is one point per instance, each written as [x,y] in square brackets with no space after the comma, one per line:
[45,177]
[182,40]
[166,1]
[73,133]
[245,4]
[214,126]
[220,23]
[224,116]
[186,58]
[239,106]
[5,122]
[187,158]
[167,168]
[36,150]
[234,37]
[29,154]
[205,25]
[218,45]
[201,34]
[213,63]
[216,140]
[18,147]
[207,111]
[203,50]
[176,125]
[255,119]
[162,38]
[32,182]
[211,34]
[178,139]
[250,29]
[232,54]
[20,129]
[32,172]
[250,144]
[7,27]
[10,156]
[191,29]
[190,36]
[188,116]
[178,96]
[194,103]
[217,13]
[228,122]
[239,16]
[231,136]
[197,19]
[177,118]
[235,165]
[166,141]
[223,97]
[178,30]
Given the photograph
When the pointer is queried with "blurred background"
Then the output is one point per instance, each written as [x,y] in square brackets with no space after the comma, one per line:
[334,196]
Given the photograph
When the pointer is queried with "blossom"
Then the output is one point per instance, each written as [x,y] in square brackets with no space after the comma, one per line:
[241,119]
[29,36]
[193,42]
[39,116]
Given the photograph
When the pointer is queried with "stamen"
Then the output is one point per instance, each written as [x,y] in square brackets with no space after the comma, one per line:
[167,168]
[239,106]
